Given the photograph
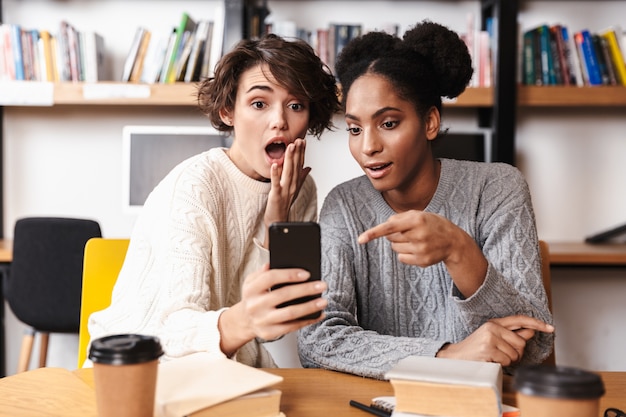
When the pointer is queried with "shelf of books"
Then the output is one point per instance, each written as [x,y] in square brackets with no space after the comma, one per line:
[572,68]
[553,55]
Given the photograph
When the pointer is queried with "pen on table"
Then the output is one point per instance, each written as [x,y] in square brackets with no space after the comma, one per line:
[371,410]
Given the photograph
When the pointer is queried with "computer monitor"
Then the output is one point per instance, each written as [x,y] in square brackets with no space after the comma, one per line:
[150,152]
[474,145]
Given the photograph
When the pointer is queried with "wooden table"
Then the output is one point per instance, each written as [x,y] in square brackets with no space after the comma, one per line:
[306,393]
[313,392]
[317,392]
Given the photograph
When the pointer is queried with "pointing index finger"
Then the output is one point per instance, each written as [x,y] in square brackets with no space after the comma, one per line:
[381,230]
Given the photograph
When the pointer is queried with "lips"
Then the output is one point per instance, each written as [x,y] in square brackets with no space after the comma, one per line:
[377,170]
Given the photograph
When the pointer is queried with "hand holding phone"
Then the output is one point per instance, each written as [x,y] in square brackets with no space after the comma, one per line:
[296,245]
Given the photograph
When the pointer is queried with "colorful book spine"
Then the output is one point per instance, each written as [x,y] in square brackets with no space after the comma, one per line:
[561,71]
[528,58]
[132,53]
[16,45]
[578,43]
[135,74]
[547,66]
[484,56]
[537,57]
[590,58]
[604,57]
[617,59]
[321,45]
[573,64]
[187,25]
[27,56]
[169,51]
[342,37]
[73,51]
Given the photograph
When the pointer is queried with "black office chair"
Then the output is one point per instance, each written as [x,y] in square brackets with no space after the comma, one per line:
[43,287]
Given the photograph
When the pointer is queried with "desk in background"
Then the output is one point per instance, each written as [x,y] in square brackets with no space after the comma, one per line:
[305,392]
[6,256]
[6,251]
[561,253]
[585,254]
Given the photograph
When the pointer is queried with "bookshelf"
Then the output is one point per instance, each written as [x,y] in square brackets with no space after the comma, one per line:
[496,107]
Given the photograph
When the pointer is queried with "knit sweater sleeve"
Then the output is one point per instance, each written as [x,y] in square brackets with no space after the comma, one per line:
[505,230]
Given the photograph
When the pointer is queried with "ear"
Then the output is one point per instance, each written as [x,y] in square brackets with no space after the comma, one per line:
[226,117]
[432,123]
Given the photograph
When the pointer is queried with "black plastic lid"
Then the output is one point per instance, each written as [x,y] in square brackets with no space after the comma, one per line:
[123,349]
[558,382]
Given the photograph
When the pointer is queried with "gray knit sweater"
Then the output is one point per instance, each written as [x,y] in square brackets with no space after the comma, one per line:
[381,310]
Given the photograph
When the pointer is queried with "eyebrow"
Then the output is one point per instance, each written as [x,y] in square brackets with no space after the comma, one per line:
[376,113]
[259,87]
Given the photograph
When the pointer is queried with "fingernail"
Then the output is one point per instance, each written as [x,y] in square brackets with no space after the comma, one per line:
[304,274]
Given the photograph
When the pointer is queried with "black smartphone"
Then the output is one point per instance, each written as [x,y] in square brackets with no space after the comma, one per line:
[296,245]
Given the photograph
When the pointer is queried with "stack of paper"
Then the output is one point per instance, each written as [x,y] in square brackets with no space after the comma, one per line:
[203,385]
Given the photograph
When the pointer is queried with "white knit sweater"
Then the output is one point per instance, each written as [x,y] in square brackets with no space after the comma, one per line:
[197,238]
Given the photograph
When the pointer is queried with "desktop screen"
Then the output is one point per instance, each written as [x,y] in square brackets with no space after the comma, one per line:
[471,145]
[150,152]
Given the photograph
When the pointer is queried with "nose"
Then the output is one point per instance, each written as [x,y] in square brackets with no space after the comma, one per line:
[279,118]
[371,144]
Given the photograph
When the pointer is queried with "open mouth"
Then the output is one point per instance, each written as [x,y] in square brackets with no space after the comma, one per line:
[276,150]
[379,167]
[378,171]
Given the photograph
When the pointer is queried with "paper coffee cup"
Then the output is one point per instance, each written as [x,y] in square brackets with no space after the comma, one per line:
[548,391]
[125,374]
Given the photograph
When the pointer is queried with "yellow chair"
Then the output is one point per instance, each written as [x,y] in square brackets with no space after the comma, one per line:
[544,251]
[102,263]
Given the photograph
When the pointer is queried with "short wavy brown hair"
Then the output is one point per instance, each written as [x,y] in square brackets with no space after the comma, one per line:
[295,66]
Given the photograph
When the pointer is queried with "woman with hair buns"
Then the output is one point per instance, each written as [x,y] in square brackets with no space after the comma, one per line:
[422,256]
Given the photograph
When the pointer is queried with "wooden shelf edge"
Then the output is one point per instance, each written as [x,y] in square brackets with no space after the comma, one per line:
[569,96]
[580,253]
[125,94]
[183,94]
[473,97]
[109,93]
